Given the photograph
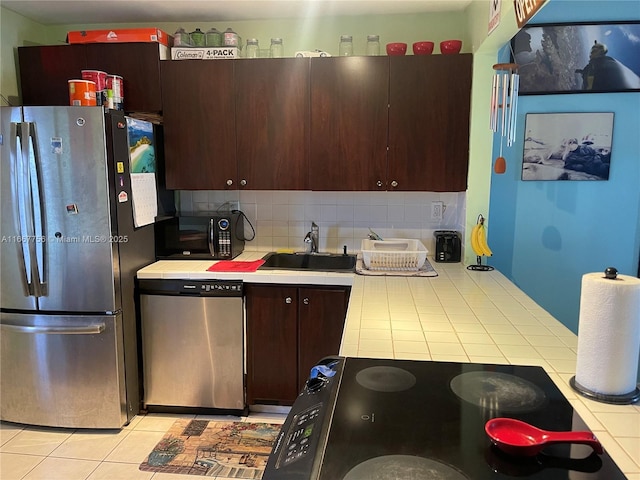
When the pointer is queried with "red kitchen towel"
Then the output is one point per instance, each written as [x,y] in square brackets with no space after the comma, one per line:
[233,266]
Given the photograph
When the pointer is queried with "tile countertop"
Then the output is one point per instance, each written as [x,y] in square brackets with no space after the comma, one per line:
[458,316]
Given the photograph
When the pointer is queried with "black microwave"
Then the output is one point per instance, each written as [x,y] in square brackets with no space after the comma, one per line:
[200,236]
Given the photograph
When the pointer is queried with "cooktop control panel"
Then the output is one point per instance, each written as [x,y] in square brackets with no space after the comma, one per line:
[297,448]
[300,435]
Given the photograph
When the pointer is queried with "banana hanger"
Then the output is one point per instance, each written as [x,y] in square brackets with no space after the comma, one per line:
[480,246]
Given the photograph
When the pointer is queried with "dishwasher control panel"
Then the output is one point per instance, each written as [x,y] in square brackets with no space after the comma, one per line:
[196,288]
[217,288]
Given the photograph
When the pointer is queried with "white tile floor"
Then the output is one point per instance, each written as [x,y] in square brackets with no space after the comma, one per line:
[37,453]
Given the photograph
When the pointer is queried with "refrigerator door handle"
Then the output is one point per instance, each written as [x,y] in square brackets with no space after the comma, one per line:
[31,234]
[39,243]
[210,232]
[20,200]
[88,330]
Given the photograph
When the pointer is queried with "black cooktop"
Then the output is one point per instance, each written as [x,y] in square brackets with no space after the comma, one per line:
[381,419]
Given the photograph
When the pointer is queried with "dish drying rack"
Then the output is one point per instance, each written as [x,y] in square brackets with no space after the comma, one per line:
[402,254]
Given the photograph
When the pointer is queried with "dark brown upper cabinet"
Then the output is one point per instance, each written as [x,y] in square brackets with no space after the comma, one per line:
[138,64]
[390,123]
[349,120]
[45,71]
[272,123]
[429,98]
[345,123]
[236,124]
[199,124]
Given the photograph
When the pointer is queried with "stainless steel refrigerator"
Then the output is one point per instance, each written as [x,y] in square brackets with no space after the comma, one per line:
[68,256]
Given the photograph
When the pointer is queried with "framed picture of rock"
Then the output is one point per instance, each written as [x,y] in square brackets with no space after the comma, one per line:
[578,58]
[567,146]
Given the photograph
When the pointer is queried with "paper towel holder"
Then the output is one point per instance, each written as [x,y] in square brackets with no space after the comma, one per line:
[632,397]
[625,399]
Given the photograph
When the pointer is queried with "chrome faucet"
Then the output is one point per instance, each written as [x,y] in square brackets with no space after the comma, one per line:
[312,237]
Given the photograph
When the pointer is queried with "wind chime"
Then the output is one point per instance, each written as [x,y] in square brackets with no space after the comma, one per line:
[504,107]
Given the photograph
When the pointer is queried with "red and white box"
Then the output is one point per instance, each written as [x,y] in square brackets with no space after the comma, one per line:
[121,36]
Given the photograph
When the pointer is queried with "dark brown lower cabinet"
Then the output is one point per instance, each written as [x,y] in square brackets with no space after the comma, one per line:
[289,329]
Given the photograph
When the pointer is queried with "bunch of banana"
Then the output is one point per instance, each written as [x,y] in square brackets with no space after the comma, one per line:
[479,239]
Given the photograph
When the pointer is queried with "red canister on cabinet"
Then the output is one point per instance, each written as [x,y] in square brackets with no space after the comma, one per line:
[100,79]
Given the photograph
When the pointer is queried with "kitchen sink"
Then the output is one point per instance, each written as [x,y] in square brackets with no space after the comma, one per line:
[309,261]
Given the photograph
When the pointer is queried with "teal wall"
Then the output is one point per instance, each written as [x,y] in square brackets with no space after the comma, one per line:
[546,234]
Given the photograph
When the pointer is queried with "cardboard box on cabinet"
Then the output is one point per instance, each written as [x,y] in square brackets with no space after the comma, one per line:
[121,36]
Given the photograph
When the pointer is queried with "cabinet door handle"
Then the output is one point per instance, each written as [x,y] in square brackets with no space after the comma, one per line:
[394,184]
[243,182]
[288,300]
[379,183]
[229,182]
[305,301]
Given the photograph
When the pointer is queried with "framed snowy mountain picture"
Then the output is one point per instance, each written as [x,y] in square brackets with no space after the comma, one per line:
[567,146]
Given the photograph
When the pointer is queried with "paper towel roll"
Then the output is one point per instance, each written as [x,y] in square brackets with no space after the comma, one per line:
[608,334]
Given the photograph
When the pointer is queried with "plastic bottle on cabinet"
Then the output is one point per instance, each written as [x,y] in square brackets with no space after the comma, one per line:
[346,46]
[230,38]
[197,38]
[277,49]
[213,38]
[181,38]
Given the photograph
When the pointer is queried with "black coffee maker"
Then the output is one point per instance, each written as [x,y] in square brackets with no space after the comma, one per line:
[448,246]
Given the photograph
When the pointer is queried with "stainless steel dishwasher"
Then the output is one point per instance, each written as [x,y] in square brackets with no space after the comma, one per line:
[192,344]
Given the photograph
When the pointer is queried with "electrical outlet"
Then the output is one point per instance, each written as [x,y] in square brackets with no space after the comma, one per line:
[437,211]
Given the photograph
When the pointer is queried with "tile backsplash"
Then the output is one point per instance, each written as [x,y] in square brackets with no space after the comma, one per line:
[281,219]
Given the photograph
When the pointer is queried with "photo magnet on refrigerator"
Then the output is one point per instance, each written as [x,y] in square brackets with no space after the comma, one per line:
[56,145]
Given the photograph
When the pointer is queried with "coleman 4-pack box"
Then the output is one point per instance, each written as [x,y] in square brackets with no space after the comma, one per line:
[203,53]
